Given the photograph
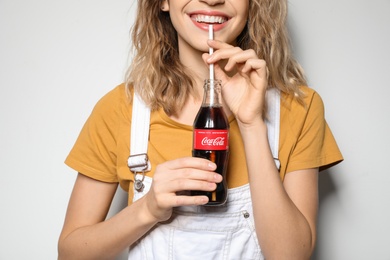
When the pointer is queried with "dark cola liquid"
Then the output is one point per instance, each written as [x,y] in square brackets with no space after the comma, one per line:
[213,118]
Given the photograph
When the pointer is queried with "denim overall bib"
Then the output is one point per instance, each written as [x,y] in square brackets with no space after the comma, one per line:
[209,233]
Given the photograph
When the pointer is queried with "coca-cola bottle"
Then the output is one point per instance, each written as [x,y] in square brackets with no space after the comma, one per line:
[211,138]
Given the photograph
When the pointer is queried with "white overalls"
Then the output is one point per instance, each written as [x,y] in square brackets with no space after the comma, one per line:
[207,233]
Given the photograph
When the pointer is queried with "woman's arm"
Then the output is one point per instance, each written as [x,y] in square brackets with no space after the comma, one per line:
[285,213]
[87,235]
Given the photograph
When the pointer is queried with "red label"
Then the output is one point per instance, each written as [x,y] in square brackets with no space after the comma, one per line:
[211,139]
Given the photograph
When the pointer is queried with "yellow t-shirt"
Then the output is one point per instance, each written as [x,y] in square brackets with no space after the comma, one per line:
[102,148]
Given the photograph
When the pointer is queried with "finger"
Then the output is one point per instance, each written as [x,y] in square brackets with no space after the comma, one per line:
[220,74]
[190,184]
[205,57]
[259,75]
[195,174]
[188,200]
[257,65]
[181,187]
[223,54]
[239,58]
[218,44]
[191,162]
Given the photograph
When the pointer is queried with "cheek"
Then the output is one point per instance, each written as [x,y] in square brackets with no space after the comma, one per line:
[232,36]
[176,20]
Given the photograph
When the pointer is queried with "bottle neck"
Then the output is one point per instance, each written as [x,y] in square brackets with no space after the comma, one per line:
[212,93]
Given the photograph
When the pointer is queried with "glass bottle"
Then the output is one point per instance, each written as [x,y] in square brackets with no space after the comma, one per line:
[211,138]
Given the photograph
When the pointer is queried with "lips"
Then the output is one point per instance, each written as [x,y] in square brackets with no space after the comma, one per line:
[209,19]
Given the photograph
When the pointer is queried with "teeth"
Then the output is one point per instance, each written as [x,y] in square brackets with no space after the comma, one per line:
[209,19]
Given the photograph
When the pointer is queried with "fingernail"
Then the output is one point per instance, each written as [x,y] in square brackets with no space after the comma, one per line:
[212,165]
[203,200]
[217,177]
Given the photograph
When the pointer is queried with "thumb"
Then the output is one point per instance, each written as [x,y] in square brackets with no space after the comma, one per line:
[219,73]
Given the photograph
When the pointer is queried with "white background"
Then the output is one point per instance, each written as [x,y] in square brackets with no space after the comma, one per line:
[57,58]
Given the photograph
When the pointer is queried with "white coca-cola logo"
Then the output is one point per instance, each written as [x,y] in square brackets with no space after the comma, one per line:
[219,141]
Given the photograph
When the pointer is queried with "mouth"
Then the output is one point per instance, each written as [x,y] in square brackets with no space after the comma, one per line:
[209,19]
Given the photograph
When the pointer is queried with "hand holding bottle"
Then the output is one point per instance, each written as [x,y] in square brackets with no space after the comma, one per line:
[173,177]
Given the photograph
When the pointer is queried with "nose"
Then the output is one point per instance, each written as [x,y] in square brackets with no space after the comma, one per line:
[213,2]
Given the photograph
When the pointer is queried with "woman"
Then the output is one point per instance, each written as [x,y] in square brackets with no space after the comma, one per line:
[276,216]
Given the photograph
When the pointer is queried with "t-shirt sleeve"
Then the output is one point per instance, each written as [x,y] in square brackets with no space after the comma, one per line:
[95,152]
[316,146]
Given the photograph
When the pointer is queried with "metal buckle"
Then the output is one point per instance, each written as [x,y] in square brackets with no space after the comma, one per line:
[138,162]
[139,183]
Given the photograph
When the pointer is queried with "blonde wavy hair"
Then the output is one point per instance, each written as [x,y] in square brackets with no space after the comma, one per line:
[162,81]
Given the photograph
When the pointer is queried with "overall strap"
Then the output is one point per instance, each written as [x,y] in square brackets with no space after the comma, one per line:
[138,160]
[273,122]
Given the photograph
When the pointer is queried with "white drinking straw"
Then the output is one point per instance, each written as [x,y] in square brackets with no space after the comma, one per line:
[211,51]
